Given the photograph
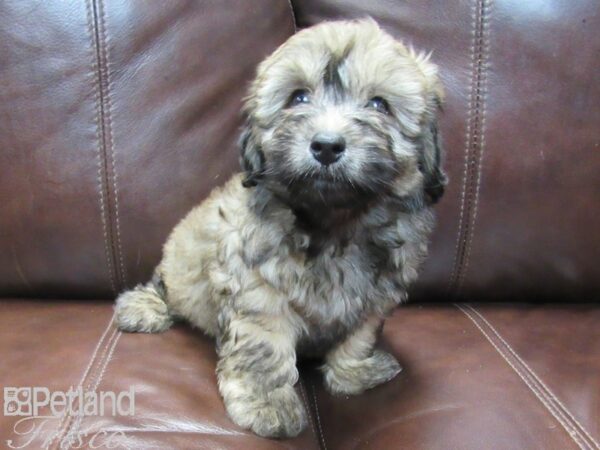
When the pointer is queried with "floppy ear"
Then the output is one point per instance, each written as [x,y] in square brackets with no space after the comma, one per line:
[252,158]
[435,179]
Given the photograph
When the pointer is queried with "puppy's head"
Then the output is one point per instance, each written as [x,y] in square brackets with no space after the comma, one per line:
[340,114]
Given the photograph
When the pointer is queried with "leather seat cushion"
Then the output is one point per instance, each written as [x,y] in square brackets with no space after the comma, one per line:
[513,376]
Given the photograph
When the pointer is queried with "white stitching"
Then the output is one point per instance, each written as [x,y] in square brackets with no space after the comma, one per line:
[69,423]
[72,431]
[478,56]
[307,406]
[107,114]
[557,414]
[571,432]
[485,53]
[314,395]
[85,374]
[537,378]
[95,74]
[83,377]
[466,150]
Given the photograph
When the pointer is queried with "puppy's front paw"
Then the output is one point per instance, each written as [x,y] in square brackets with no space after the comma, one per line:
[352,376]
[142,310]
[278,414]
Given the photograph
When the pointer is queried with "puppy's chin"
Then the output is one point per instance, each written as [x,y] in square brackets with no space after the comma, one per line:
[322,190]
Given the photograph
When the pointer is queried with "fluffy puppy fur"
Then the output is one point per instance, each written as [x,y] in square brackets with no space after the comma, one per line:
[316,242]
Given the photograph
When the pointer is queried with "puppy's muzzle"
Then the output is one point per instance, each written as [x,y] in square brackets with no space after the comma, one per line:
[327,148]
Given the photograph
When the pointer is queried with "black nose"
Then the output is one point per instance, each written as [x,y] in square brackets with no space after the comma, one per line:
[327,148]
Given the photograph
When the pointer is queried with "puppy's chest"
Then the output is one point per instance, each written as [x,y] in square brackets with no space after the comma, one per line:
[334,285]
[333,282]
[341,287]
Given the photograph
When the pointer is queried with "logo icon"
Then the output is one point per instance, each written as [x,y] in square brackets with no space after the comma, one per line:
[18,401]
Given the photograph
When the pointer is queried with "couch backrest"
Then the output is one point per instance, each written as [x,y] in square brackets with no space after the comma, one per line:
[521,215]
[116,117]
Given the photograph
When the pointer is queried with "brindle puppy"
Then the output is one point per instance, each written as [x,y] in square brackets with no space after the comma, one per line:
[317,241]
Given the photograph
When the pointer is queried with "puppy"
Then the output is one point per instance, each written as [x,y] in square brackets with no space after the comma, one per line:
[317,241]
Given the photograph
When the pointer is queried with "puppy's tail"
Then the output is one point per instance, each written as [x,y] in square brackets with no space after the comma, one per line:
[143,308]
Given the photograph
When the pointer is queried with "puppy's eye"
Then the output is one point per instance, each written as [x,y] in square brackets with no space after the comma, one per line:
[379,104]
[298,97]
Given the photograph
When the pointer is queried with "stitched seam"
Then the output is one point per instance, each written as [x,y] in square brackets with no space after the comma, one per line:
[549,393]
[293,16]
[59,429]
[466,151]
[529,382]
[100,361]
[464,179]
[308,411]
[572,433]
[104,48]
[481,93]
[314,396]
[103,138]
[473,142]
[77,424]
[476,136]
[100,159]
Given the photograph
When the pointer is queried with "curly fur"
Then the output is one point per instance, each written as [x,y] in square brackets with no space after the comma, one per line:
[294,257]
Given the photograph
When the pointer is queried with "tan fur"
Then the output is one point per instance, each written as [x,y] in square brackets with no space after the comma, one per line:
[246,269]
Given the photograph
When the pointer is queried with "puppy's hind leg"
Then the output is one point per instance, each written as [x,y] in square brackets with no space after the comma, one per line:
[143,309]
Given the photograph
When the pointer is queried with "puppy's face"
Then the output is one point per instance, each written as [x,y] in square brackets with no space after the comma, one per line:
[342,113]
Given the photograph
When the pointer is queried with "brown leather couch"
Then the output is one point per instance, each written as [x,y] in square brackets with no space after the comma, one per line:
[116,116]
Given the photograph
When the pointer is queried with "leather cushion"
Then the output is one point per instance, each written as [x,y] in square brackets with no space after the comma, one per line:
[510,376]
